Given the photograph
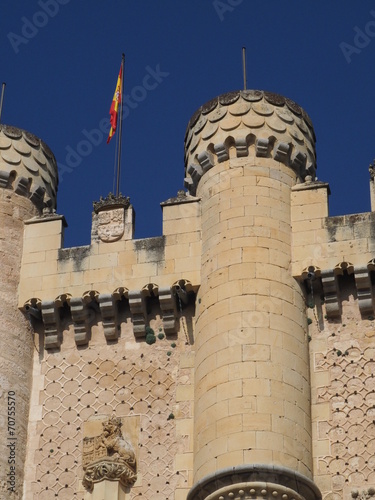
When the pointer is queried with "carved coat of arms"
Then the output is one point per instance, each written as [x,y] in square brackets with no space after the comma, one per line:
[108,456]
[111,224]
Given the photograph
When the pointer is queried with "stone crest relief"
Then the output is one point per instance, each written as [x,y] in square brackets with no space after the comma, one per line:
[108,455]
[111,224]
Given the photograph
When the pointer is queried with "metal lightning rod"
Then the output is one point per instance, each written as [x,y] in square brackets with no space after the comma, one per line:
[2,98]
[244,66]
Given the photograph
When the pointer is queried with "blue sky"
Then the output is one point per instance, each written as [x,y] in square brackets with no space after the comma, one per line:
[60,60]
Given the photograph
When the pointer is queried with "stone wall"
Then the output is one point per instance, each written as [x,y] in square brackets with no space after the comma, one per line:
[147,385]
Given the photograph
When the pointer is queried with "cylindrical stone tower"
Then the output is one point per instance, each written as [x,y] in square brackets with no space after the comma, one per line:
[28,183]
[252,424]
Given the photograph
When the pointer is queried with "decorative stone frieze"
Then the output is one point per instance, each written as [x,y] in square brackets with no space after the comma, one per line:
[108,456]
[253,482]
[247,491]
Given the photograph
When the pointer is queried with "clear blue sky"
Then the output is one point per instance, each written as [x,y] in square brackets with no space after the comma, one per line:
[60,60]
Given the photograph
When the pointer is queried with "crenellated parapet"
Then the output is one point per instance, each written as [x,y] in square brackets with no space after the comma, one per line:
[251,123]
[93,306]
[28,167]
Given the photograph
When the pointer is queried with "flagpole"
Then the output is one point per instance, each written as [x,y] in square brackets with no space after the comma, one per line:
[244,66]
[120,128]
[1,99]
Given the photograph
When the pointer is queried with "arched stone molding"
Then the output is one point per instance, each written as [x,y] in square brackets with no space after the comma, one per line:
[255,490]
[254,482]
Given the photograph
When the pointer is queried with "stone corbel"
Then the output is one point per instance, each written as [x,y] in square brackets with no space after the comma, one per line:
[282,152]
[137,304]
[331,293]
[222,152]
[80,308]
[32,310]
[298,161]
[21,186]
[195,172]
[241,147]
[190,186]
[37,195]
[205,160]
[51,324]
[364,290]
[261,147]
[80,319]
[167,300]
[108,311]
[4,178]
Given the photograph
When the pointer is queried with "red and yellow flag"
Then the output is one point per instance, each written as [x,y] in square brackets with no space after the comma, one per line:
[115,106]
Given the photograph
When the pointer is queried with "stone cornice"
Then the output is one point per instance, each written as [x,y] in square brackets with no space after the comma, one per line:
[182,197]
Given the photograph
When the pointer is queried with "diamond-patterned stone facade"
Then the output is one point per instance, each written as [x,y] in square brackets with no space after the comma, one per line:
[347,435]
[126,380]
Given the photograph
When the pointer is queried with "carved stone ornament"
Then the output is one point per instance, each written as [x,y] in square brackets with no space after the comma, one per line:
[111,224]
[108,456]
[111,201]
[364,495]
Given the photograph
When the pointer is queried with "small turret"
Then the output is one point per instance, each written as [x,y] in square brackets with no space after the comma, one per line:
[28,185]
[252,426]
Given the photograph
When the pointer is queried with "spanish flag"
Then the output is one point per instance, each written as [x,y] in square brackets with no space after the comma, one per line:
[115,106]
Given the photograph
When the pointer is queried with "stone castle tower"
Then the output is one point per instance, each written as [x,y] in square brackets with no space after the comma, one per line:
[230,358]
